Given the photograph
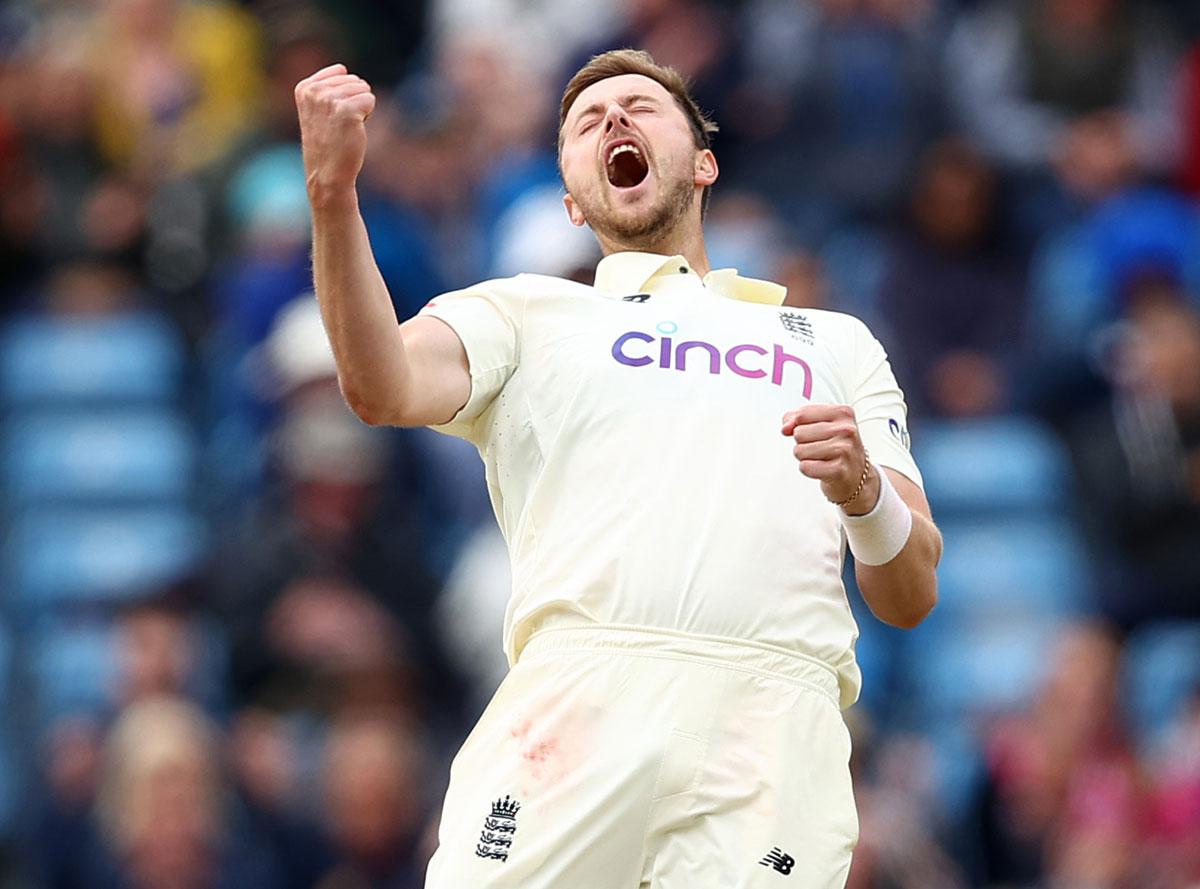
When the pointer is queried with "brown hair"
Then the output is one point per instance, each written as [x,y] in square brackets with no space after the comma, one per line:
[635,61]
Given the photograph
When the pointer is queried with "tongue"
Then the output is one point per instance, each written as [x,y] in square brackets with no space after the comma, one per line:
[626,170]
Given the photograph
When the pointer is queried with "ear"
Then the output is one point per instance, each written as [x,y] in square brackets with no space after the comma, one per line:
[573,211]
[706,168]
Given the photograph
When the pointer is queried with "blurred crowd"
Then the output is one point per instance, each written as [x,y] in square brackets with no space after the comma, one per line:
[241,633]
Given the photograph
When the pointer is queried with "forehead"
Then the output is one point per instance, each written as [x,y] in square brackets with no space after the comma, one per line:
[612,88]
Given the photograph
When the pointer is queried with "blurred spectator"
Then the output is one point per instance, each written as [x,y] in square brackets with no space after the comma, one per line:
[157,652]
[839,95]
[60,833]
[1138,458]
[559,28]
[179,82]
[804,277]
[89,288]
[1175,808]
[327,567]
[266,204]
[1083,89]
[374,801]
[1190,166]
[54,105]
[953,296]
[1082,281]
[266,759]
[1063,800]
[163,807]
[898,846]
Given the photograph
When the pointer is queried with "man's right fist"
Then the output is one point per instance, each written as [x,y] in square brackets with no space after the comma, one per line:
[334,106]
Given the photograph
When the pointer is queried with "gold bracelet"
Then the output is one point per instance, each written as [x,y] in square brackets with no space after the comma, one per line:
[861,483]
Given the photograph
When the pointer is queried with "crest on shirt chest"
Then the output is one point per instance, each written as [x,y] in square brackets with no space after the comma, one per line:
[797,326]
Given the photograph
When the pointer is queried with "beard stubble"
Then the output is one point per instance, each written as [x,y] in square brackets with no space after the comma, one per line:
[642,231]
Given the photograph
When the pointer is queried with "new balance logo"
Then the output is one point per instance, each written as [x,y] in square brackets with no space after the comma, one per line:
[636,298]
[797,325]
[496,838]
[779,860]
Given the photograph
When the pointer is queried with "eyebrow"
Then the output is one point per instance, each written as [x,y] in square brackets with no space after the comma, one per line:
[624,101]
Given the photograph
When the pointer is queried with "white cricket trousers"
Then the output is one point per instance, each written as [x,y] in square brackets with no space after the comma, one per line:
[626,758]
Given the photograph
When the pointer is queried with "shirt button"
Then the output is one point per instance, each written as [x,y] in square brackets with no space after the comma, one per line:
[683,270]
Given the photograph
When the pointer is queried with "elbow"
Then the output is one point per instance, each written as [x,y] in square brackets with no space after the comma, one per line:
[372,418]
[919,607]
[370,411]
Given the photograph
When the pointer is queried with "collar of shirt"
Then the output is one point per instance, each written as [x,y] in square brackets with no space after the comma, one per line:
[629,272]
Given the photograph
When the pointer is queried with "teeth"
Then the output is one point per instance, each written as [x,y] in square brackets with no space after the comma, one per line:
[621,149]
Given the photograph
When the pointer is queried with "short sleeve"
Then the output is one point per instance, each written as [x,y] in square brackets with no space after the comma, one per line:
[879,406]
[486,318]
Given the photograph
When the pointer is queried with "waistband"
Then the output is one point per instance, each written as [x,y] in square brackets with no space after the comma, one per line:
[720,651]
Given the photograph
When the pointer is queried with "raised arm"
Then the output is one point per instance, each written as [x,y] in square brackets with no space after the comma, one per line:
[410,374]
[887,519]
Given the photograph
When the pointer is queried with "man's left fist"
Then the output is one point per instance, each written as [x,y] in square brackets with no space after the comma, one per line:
[830,451]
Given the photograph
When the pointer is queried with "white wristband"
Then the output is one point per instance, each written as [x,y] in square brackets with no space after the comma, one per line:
[877,537]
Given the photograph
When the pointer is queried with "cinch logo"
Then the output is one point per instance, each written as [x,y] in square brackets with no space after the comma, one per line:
[674,356]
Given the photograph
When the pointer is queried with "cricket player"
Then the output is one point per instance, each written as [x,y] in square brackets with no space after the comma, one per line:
[677,463]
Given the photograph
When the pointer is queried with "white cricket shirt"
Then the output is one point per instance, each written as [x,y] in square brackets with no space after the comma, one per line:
[631,435]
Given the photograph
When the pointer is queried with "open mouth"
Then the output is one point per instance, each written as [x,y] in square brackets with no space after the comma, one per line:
[625,165]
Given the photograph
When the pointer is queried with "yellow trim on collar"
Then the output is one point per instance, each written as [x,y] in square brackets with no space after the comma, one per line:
[629,272]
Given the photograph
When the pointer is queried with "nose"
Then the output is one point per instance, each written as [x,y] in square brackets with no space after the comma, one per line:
[615,117]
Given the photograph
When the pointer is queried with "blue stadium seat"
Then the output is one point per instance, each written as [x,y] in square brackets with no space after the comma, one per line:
[6,666]
[74,669]
[993,465]
[64,556]
[134,357]
[855,261]
[961,669]
[958,768]
[97,457]
[1005,566]
[1162,669]
[1069,295]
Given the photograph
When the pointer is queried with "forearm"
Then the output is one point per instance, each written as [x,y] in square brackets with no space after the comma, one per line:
[359,318]
[903,591]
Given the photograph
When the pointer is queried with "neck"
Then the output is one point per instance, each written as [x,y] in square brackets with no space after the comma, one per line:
[689,245]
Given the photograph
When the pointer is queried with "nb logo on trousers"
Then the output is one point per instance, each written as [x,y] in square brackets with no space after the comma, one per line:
[779,860]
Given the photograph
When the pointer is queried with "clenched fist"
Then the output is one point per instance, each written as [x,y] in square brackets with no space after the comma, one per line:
[830,451]
[333,106]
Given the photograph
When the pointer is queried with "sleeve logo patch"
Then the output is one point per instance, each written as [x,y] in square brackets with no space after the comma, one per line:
[897,429]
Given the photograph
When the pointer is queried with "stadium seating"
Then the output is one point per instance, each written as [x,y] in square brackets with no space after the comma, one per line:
[1023,565]
[130,358]
[97,457]
[61,556]
[998,466]
[9,730]
[1162,669]
[1013,572]
[73,668]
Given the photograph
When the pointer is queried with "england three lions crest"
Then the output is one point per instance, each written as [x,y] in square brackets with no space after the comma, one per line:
[499,828]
